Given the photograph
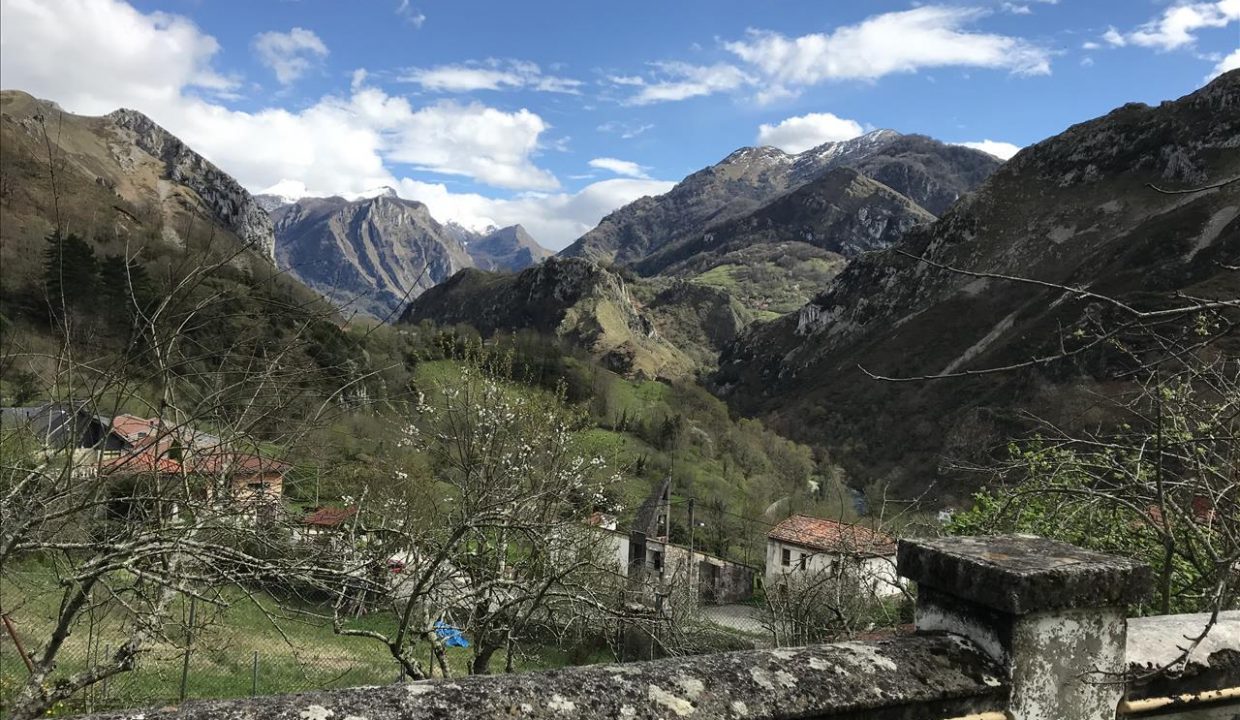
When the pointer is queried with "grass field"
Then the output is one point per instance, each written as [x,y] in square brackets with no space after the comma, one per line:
[294,653]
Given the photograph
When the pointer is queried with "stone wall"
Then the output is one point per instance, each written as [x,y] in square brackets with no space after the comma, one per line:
[1014,627]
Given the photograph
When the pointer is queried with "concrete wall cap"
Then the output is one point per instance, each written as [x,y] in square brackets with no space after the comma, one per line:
[1022,574]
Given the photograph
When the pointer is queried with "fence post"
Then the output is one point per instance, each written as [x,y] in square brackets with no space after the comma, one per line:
[254,676]
[189,640]
[1054,615]
[103,691]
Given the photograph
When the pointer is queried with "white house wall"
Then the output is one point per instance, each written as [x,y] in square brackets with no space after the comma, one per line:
[877,572]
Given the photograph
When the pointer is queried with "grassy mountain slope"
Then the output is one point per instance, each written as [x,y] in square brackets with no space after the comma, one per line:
[568,298]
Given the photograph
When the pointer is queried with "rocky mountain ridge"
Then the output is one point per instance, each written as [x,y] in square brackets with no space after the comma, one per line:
[370,255]
[119,177]
[374,253]
[930,173]
[506,248]
[1074,210]
[232,205]
[841,211]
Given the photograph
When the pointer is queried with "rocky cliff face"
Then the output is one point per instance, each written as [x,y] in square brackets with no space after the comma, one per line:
[371,255]
[568,297]
[926,170]
[841,211]
[510,248]
[230,204]
[1073,210]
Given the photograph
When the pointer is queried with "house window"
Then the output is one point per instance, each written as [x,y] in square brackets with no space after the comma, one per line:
[656,559]
[785,557]
[804,558]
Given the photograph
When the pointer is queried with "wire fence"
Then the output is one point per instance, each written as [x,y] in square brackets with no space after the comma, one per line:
[208,652]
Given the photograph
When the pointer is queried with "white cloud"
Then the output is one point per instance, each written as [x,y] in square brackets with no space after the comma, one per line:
[555,219]
[1090,45]
[1016,9]
[626,168]
[490,74]
[290,54]
[1178,25]
[411,15]
[637,80]
[679,81]
[119,56]
[1001,150]
[346,144]
[797,134]
[626,131]
[155,63]
[906,41]
[1231,62]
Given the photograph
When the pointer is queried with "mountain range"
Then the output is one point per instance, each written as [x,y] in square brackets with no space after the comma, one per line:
[1075,211]
[373,253]
[929,173]
[789,284]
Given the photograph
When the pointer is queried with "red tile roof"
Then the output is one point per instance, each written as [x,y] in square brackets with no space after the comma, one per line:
[132,428]
[234,463]
[832,536]
[139,463]
[329,516]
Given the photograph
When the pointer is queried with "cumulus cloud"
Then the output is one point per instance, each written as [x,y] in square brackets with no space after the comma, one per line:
[679,81]
[290,54]
[1231,62]
[155,62]
[1001,150]
[490,74]
[119,56]
[797,134]
[341,144]
[905,41]
[1178,25]
[625,168]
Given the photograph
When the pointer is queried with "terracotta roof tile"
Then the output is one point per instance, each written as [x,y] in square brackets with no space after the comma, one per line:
[329,516]
[832,536]
[139,463]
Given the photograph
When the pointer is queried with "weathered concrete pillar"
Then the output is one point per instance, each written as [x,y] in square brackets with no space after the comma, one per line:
[1053,614]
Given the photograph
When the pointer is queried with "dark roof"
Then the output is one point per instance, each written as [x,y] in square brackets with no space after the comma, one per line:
[831,536]
[59,424]
[329,516]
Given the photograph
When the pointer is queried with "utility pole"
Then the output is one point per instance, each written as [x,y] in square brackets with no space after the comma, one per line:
[693,590]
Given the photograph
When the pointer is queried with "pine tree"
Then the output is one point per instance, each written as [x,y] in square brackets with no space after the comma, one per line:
[70,273]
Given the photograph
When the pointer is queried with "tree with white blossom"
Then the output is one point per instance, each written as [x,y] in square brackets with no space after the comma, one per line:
[490,536]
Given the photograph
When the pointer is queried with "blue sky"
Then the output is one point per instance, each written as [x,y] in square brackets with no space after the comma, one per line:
[553,113]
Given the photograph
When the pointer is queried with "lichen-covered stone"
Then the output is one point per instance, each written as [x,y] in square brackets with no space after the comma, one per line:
[920,676]
[1022,574]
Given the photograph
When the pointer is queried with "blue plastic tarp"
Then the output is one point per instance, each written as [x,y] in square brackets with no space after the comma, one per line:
[451,636]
